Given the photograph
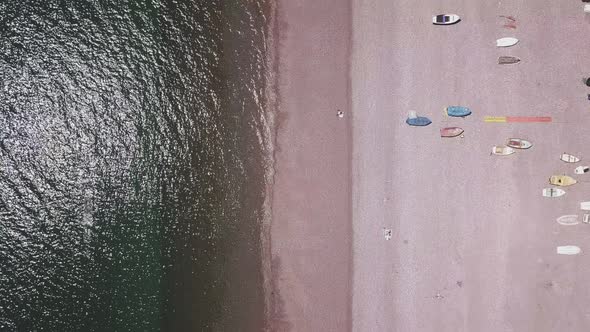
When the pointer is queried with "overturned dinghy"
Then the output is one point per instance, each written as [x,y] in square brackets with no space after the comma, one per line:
[568,220]
[415,120]
[568,250]
[506,42]
[506,60]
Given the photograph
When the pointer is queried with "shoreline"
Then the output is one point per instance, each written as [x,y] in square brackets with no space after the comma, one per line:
[307,235]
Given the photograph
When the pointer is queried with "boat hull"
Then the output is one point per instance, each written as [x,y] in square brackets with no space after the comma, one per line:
[451,132]
[506,60]
[562,180]
[568,220]
[458,111]
[568,250]
[502,150]
[418,121]
[568,158]
[506,42]
[519,143]
[553,192]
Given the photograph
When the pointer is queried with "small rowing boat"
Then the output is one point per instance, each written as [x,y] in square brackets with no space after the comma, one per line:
[519,143]
[553,192]
[502,150]
[562,180]
[568,250]
[568,158]
[451,132]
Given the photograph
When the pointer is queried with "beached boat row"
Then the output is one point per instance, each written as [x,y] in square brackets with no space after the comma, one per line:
[566,181]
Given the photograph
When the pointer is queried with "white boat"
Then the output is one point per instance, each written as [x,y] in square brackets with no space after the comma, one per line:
[568,158]
[587,8]
[445,19]
[553,192]
[568,220]
[501,150]
[585,206]
[568,250]
[582,170]
[519,143]
[506,42]
[586,219]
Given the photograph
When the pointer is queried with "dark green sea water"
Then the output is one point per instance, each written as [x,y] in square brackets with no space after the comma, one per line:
[132,162]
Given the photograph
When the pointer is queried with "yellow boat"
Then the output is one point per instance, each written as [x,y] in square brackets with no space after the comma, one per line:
[562,180]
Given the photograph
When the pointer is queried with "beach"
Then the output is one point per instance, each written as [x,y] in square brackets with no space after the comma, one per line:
[311,226]
[473,244]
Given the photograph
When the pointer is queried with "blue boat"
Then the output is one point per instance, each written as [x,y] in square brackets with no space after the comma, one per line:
[460,111]
[418,121]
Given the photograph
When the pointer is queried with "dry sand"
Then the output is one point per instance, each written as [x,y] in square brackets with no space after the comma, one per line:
[474,241]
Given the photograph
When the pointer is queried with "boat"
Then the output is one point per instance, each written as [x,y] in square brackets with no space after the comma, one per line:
[585,206]
[506,42]
[586,219]
[568,220]
[582,170]
[553,192]
[562,180]
[568,158]
[506,60]
[451,132]
[458,111]
[568,250]
[415,120]
[519,143]
[501,150]
[445,19]
[587,8]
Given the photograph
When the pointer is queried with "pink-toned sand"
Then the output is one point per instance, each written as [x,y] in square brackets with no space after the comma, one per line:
[474,242]
[311,211]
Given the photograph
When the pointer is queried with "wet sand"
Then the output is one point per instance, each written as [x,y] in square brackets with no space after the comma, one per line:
[474,242]
[310,223]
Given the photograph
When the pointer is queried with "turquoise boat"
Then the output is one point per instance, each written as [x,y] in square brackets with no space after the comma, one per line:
[460,111]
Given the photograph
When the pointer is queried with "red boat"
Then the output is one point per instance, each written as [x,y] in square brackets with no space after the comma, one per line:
[451,132]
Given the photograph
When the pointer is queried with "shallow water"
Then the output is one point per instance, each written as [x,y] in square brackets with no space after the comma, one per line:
[132,163]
